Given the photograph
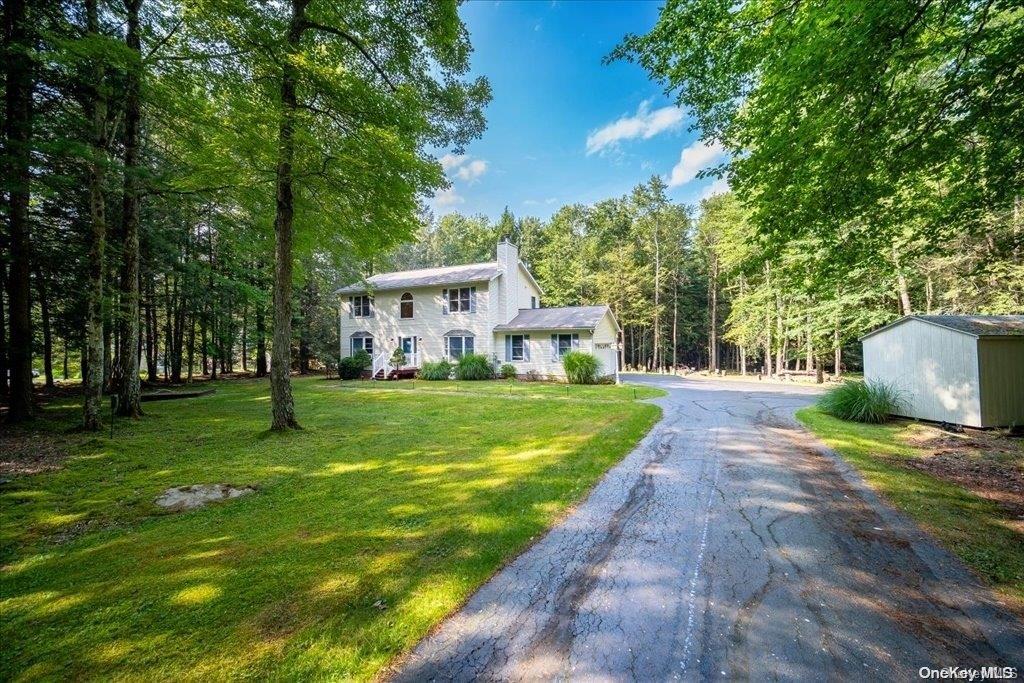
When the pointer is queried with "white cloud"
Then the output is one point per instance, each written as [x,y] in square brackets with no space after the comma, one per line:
[693,159]
[720,186]
[450,161]
[472,170]
[448,197]
[464,168]
[644,124]
[538,202]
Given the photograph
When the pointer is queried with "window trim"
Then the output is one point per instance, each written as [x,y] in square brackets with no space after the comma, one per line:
[524,348]
[402,301]
[556,345]
[455,294]
[357,309]
[363,337]
[462,337]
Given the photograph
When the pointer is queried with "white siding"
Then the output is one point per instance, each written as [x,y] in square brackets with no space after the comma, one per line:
[428,324]
[606,338]
[935,367]
[526,289]
[540,351]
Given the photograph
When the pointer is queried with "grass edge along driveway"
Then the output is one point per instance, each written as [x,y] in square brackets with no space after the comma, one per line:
[369,526]
[973,528]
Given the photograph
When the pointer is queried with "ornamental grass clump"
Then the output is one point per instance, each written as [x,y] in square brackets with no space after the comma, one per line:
[441,370]
[580,367]
[873,402]
[474,366]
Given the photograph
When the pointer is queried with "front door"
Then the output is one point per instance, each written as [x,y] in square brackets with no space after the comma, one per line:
[408,346]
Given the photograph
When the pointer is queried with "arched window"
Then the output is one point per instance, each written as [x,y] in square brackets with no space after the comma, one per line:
[406,305]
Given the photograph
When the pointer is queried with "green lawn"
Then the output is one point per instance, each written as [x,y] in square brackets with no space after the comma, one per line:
[369,526]
[974,528]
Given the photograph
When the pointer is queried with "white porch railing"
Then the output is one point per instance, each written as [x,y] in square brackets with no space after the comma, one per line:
[380,362]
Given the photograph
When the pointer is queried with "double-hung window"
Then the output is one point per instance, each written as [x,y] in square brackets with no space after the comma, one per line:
[459,300]
[517,347]
[456,346]
[361,341]
[562,344]
[362,306]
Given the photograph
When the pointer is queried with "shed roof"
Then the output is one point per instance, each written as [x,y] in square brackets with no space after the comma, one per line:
[973,325]
[424,277]
[564,318]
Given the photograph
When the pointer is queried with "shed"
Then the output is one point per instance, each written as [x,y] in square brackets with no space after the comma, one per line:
[961,369]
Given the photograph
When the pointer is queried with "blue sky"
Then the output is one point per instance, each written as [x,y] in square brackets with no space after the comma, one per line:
[563,127]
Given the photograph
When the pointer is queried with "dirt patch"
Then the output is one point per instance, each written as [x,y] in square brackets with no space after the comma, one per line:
[986,463]
[180,498]
[24,452]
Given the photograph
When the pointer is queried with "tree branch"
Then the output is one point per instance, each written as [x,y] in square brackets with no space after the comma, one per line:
[307,24]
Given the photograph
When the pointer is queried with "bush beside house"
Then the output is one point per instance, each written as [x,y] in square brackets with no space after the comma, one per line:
[581,368]
[474,366]
[352,367]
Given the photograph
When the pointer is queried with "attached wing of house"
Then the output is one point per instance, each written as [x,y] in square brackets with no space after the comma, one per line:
[491,308]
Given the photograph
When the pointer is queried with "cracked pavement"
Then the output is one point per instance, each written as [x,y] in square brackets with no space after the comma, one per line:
[729,543]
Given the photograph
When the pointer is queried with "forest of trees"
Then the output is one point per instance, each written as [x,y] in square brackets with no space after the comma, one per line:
[186,182]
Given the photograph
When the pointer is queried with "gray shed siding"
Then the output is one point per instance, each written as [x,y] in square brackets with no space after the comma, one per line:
[1001,361]
[935,367]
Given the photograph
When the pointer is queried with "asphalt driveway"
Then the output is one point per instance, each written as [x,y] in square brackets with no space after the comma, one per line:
[728,544]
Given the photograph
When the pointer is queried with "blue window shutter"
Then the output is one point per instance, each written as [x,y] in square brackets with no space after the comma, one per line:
[472,299]
[350,305]
[554,348]
[444,311]
[575,342]
[508,347]
[526,347]
[369,305]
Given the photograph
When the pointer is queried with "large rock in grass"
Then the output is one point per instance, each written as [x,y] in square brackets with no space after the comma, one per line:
[179,498]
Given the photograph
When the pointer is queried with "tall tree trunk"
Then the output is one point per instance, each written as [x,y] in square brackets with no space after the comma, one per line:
[94,346]
[4,384]
[675,326]
[713,316]
[168,312]
[128,387]
[191,346]
[780,343]
[44,310]
[261,342]
[19,85]
[768,325]
[65,368]
[901,284]
[282,404]
[656,341]
[245,347]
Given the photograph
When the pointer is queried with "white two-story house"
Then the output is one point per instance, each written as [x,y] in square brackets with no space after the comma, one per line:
[491,308]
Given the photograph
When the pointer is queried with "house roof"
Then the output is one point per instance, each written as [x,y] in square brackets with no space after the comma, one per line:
[424,277]
[973,325]
[564,318]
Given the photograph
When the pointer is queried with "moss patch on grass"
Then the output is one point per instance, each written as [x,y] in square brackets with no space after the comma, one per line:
[980,531]
[371,524]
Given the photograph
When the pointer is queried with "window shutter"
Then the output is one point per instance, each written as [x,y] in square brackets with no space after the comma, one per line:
[472,299]
[554,348]
[575,342]
[370,313]
[444,311]
[350,306]
[526,347]
[508,347]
